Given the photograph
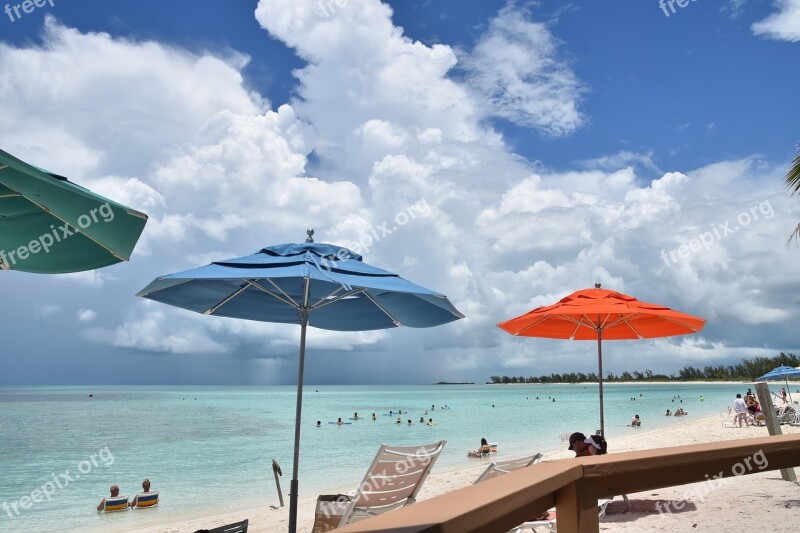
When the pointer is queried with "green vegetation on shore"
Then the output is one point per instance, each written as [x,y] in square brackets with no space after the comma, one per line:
[748,370]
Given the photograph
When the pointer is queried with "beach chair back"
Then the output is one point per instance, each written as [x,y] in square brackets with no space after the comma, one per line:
[147,499]
[117,503]
[498,468]
[238,527]
[393,480]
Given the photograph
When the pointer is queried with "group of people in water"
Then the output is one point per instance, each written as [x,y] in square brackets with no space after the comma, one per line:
[374,417]
[678,412]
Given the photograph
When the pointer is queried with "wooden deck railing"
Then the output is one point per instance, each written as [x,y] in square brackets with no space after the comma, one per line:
[573,486]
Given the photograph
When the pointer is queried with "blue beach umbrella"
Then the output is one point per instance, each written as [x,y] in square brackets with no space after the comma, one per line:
[309,283]
[781,373]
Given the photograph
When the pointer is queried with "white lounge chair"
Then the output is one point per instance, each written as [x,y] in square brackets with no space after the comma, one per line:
[550,522]
[787,414]
[393,480]
[498,468]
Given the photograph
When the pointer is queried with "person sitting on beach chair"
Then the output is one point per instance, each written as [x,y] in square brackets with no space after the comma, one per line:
[146,498]
[115,502]
[483,451]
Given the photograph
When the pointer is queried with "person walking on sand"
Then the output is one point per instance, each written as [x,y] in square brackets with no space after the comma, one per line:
[740,408]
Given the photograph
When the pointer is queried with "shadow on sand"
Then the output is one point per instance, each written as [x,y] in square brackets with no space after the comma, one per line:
[617,510]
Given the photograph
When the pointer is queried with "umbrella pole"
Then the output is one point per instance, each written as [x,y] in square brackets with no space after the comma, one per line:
[294,484]
[600,368]
[788,390]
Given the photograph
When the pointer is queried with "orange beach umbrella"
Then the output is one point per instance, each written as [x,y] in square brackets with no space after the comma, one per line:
[598,314]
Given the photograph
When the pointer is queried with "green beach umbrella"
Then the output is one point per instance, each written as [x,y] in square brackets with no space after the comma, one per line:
[49,225]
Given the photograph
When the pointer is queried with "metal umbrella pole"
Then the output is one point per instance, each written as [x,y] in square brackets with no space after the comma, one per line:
[293,487]
[600,368]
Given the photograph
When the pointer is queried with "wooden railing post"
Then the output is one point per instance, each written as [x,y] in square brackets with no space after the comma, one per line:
[773,427]
[576,507]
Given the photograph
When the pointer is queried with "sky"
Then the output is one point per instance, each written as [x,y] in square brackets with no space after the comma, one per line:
[517,151]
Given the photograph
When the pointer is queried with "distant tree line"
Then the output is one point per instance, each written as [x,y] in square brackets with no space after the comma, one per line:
[747,370]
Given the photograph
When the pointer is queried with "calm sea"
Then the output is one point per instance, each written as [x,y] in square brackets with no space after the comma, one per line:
[210,449]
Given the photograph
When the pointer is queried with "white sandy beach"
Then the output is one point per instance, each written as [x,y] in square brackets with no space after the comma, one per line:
[761,501]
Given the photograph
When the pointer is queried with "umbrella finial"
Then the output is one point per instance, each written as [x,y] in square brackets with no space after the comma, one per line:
[310,233]
[597,285]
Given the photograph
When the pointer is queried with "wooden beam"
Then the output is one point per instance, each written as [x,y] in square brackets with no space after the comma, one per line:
[574,485]
[494,505]
[651,469]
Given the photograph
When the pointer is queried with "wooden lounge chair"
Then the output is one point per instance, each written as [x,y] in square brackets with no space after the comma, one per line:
[393,480]
[116,503]
[144,500]
[498,468]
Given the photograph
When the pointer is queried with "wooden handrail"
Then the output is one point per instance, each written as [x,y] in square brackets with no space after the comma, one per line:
[574,486]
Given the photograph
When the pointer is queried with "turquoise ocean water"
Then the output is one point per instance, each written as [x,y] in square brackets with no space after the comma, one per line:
[209,449]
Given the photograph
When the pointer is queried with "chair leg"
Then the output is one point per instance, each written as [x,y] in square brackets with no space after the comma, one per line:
[627,502]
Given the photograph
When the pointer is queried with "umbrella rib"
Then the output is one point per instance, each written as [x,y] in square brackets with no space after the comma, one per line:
[211,310]
[329,299]
[382,308]
[674,321]
[14,195]
[583,321]
[288,300]
[77,231]
[625,320]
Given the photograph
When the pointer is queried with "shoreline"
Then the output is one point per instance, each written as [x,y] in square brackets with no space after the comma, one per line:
[642,382]
[715,508]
